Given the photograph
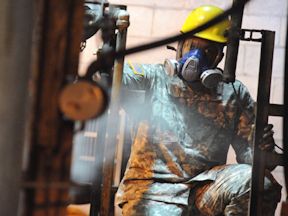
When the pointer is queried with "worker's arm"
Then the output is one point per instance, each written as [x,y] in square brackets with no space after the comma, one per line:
[244,130]
[244,124]
[138,80]
[139,76]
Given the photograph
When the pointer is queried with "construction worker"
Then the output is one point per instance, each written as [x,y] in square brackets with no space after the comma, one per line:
[185,126]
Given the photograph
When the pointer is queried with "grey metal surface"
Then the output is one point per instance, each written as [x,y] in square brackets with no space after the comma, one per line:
[15,43]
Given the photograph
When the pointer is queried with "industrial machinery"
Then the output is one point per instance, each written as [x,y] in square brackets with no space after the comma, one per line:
[48,183]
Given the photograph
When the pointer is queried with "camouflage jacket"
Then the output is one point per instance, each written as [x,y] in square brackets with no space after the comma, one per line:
[181,134]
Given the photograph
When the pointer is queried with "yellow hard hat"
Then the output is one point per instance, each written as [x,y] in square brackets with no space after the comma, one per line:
[200,16]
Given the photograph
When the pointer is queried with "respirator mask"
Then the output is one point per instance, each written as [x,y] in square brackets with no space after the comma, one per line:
[193,67]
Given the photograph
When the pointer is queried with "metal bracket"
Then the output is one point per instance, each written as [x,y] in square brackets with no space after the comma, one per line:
[249,35]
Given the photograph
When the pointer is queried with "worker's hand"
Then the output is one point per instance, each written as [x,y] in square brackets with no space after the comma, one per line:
[267,143]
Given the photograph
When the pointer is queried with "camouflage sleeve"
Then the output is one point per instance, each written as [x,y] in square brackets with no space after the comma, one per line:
[138,80]
[242,140]
[138,76]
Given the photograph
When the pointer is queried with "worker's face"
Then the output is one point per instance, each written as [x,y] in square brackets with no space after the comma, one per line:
[212,50]
[198,62]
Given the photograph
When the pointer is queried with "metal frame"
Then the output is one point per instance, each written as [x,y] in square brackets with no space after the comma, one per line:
[104,186]
[111,140]
[264,110]
[263,96]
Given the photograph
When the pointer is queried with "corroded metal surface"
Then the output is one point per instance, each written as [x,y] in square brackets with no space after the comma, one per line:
[55,56]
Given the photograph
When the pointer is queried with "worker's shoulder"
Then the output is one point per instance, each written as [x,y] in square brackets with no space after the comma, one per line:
[145,70]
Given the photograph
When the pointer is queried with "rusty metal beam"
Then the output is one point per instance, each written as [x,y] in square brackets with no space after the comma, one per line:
[57,37]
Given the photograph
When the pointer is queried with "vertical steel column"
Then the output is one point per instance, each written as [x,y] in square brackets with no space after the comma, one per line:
[15,59]
[284,209]
[112,130]
[233,44]
[285,120]
[263,96]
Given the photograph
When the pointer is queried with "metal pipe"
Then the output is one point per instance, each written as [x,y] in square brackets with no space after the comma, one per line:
[110,145]
[233,44]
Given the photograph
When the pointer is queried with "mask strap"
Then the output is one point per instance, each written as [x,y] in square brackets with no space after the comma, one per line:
[217,59]
[186,44]
[179,50]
